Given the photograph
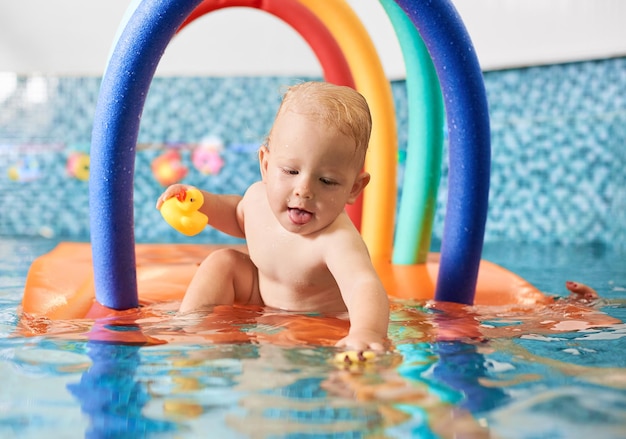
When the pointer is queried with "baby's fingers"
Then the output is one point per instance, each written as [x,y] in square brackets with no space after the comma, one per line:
[358,344]
[170,192]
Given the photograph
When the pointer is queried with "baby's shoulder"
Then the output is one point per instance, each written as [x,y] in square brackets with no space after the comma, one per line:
[342,228]
[257,186]
[254,192]
[254,199]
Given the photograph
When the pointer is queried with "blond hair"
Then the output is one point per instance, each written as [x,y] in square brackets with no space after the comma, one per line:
[337,106]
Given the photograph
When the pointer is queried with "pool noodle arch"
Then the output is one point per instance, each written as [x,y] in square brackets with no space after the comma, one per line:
[424,144]
[459,264]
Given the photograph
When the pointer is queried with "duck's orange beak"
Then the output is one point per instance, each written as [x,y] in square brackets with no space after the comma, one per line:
[181,195]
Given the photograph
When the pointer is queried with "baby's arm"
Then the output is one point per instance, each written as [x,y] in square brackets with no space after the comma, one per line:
[362,292]
[220,209]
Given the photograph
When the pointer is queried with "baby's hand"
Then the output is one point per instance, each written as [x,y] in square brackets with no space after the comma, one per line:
[362,340]
[581,292]
[170,192]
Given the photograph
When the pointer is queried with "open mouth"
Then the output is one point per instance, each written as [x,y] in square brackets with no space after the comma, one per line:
[299,216]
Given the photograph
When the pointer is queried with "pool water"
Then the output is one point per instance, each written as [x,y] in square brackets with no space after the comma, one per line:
[555,371]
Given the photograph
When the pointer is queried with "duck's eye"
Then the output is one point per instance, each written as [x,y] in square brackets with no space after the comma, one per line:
[191,200]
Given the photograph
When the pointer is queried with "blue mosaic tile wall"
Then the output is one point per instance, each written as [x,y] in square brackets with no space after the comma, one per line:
[558,150]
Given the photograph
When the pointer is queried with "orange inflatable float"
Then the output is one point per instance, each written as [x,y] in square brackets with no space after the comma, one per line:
[164,271]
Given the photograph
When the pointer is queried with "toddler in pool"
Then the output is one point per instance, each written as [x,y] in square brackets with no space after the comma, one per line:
[303,252]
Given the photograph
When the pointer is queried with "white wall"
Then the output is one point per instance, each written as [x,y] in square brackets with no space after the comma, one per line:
[514,33]
[73,37]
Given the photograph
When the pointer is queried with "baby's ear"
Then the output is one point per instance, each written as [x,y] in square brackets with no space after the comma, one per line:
[264,153]
[359,184]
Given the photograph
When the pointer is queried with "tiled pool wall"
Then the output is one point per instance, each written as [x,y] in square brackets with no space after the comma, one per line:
[558,150]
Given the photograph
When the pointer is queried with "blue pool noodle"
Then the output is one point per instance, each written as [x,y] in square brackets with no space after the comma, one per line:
[467,117]
[120,104]
[114,137]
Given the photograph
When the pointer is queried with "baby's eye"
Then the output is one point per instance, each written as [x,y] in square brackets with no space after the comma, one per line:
[289,171]
[328,181]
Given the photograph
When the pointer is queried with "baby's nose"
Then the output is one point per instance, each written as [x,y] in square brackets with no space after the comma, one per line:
[303,189]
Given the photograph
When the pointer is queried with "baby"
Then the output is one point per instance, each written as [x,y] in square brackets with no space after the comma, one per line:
[304,253]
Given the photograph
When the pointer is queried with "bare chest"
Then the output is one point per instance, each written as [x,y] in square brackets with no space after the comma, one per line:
[288,259]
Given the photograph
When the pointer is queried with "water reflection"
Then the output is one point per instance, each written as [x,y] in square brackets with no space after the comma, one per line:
[110,394]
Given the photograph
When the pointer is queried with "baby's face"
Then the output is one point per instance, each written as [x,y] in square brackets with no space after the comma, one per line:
[311,172]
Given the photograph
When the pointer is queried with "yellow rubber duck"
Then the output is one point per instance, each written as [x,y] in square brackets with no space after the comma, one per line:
[181,212]
[354,357]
